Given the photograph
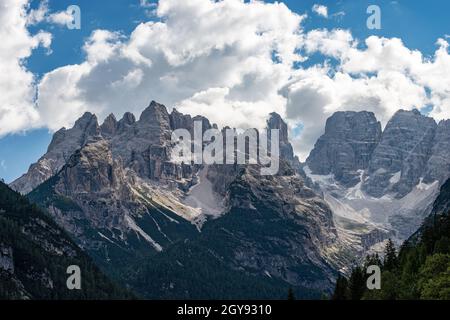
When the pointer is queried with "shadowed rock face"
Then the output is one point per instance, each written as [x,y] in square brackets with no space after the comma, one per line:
[286,151]
[181,121]
[347,146]
[142,145]
[412,148]
[275,228]
[120,196]
[404,149]
[109,126]
[380,185]
[64,143]
[438,165]
[35,253]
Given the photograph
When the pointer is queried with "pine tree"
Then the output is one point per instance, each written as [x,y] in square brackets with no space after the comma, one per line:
[341,289]
[390,256]
[371,260]
[291,295]
[357,284]
[442,245]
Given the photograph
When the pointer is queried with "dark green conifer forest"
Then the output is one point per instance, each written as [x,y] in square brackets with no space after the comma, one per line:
[35,254]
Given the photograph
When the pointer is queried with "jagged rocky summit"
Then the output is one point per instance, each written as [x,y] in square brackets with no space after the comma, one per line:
[117,192]
[380,184]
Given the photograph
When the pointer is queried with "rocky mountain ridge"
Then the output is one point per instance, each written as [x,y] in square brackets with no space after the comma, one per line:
[380,183]
[410,148]
[124,201]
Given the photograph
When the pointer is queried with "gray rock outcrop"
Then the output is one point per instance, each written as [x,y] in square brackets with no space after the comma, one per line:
[398,162]
[64,143]
[438,165]
[347,145]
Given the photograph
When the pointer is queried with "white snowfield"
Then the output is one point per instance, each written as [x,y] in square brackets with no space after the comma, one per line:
[358,215]
[197,205]
[202,198]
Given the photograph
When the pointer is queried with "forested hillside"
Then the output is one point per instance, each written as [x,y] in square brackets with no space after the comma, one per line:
[35,254]
[421,269]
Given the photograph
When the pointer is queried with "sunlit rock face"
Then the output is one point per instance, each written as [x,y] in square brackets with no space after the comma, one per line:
[64,143]
[438,165]
[379,184]
[399,160]
[348,143]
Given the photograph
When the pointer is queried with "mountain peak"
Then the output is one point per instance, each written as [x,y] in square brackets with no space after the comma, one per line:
[110,117]
[86,119]
[179,120]
[109,126]
[346,146]
[413,112]
[155,111]
[128,118]
[276,122]
[404,149]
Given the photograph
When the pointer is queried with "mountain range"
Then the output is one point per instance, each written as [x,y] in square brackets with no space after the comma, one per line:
[380,183]
[171,230]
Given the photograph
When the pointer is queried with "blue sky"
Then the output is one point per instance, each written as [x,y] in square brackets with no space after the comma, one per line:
[418,23]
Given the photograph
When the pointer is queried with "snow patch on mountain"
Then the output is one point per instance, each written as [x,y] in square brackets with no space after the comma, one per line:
[395,178]
[133,226]
[358,214]
[203,199]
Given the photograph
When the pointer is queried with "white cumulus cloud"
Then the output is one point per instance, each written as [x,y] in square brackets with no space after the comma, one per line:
[42,14]
[230,60]
[321,10]
[382,75]
[225,59]
[17,84]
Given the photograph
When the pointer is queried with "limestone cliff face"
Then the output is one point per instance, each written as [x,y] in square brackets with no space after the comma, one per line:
[286,151]
[181,121]
[348,143]
[399,160]
[299,221]
[92,169]
[380,185]
[438,165]
[274,229]
[64,143]
[412,148]
[90,188]
[122,198]
[142,145]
